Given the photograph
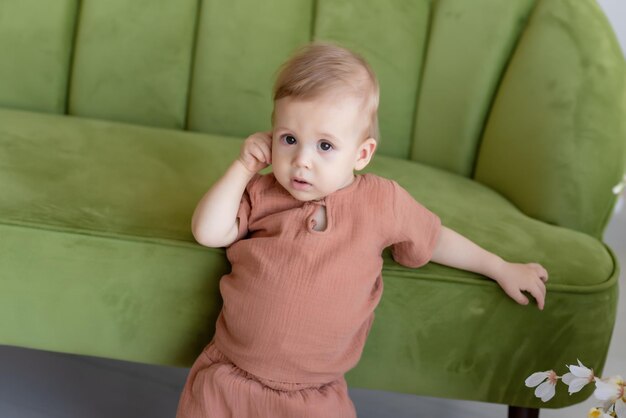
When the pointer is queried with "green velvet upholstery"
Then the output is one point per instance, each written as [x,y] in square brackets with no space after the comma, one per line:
[236,60]
[505,118]
[453,104]
[560,168]
[36,63]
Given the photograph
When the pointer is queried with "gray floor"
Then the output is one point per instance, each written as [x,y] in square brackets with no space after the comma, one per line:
[39,384]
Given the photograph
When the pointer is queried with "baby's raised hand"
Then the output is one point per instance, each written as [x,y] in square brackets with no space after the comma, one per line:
[514,278]
[256,151]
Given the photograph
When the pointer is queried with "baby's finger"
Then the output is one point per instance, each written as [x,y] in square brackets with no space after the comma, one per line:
[518,296]
[267,152]
[538,295]
[258,153]
[542,286]
[541,271]
[264,138]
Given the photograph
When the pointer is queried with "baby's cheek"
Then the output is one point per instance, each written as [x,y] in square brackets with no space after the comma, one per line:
[278,157]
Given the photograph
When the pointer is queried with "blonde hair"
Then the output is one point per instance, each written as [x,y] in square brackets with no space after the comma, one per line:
[320,67]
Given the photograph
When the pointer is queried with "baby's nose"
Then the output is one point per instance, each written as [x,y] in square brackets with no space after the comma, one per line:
[302,158]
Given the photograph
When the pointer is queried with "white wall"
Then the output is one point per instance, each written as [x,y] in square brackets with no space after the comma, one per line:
[616,12]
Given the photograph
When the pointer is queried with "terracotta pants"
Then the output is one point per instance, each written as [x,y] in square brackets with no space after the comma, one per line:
[216,388]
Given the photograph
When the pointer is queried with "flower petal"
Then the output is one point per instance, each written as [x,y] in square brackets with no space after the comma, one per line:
[545,391]
[568,378]
[581,371]
[607,405]
[536,378]
[606,391]
[577,384]
[620,408]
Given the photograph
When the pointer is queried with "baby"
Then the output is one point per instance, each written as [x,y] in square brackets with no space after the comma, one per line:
[305,243]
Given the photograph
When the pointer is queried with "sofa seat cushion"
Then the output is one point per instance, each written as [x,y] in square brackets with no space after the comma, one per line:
[103,211]
[104,178]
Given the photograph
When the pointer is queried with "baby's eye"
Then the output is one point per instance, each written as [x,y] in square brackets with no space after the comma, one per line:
[326,146]
[289,139]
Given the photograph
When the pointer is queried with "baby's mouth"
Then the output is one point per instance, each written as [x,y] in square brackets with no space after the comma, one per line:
[300,184]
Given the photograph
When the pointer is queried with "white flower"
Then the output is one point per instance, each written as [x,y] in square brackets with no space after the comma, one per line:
[545,390]
[612,391]
[620,407]
[597,413]
[578,377]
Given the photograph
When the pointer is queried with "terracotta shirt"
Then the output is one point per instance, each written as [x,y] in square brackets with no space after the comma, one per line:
[299,303]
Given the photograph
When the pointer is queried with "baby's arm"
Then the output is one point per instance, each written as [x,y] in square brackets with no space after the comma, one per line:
[455,250]
[214,222]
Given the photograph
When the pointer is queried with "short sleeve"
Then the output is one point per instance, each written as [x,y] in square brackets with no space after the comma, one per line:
[417,230]
[245,208]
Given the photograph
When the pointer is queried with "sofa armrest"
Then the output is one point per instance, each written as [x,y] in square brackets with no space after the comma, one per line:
[555,141]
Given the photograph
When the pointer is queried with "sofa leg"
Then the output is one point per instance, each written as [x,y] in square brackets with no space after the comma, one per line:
[518,412]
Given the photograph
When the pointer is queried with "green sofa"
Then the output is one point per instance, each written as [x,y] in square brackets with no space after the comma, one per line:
[504,117]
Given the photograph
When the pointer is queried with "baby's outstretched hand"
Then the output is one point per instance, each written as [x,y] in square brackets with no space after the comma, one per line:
[514,278]
[256,151]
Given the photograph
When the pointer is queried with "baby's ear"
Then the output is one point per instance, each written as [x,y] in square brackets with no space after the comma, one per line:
[365,152]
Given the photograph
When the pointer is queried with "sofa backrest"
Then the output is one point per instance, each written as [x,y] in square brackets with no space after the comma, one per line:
[474,87]
[209,65]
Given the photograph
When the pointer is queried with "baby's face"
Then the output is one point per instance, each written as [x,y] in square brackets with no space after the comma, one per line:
[318,143]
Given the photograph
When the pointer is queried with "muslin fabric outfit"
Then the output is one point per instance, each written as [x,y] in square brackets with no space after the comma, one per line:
[299,303]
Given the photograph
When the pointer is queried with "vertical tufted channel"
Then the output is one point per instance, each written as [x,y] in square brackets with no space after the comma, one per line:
[240,44]
[132,61]
[36,44]
[391,35]
[469,46]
